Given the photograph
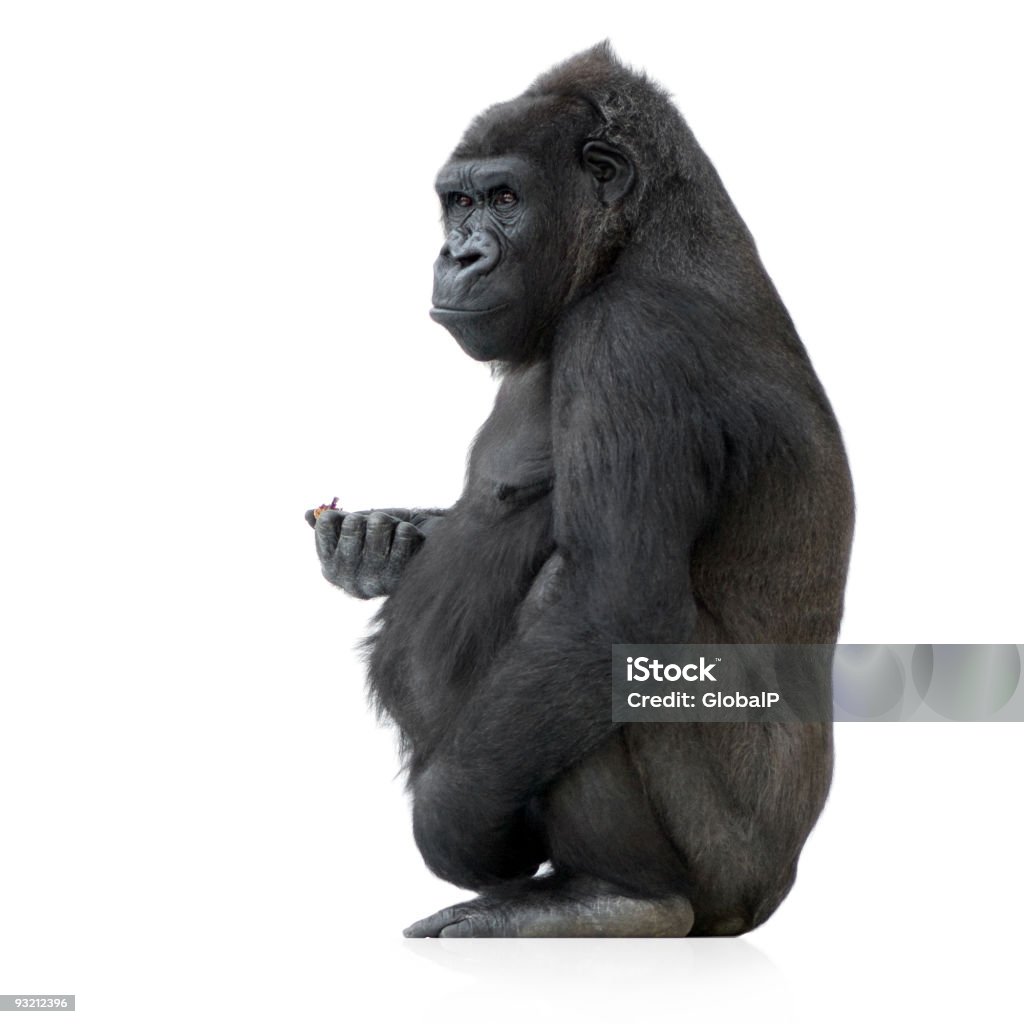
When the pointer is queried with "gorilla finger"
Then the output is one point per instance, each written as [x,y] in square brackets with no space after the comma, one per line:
[380,529]
[350,544]
[406,543]
[327,529]
[408,539]
[311,517]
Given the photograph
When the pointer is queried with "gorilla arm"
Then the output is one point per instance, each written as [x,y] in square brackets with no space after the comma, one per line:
[630,496]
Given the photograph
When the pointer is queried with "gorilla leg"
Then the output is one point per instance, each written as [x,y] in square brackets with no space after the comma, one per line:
[738,802]
[670,813]
[666,831]
[615,872]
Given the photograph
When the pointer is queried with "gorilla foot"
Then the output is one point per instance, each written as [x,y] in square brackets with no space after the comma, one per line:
[553,908]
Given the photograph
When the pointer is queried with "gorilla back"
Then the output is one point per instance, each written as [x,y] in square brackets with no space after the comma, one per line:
[661,466]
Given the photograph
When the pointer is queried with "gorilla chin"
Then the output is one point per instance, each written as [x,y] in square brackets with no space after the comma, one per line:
[481,333]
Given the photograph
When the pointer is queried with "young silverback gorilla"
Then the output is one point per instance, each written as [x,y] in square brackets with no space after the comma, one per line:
[661,466]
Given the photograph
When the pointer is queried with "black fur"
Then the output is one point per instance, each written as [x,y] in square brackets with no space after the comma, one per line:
[661,466]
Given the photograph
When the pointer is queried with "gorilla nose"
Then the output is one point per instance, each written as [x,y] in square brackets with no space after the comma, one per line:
[467,259]
[475,255]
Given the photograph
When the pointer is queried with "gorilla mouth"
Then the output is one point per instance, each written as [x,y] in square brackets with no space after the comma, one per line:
[466,310]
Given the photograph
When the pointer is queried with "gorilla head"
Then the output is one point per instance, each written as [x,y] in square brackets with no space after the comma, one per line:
[533,205]
[590,169]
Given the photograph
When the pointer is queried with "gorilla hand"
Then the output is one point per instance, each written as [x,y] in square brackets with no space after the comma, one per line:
[364,553]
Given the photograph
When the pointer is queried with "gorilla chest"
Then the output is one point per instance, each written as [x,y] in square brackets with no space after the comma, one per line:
[512,464]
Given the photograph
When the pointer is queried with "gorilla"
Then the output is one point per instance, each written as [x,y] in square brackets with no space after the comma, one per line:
[661,465]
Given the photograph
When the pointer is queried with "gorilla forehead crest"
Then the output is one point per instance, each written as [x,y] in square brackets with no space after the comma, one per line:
[592,91]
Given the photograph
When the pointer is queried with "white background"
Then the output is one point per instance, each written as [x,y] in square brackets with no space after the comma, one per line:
[216,232]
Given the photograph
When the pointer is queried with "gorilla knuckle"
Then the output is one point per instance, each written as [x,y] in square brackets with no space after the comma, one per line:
[354,524]
[407,533]
[379,522]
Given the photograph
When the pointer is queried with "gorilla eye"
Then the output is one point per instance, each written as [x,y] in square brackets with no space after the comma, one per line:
[461,199]
[506,197]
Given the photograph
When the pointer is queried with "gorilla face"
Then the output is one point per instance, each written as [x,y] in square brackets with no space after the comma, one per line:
[516,244]
[499,266]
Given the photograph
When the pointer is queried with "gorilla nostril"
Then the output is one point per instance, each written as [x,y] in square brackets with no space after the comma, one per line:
[467,260]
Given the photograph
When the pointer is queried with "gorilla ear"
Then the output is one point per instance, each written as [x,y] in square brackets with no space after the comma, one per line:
[611,169]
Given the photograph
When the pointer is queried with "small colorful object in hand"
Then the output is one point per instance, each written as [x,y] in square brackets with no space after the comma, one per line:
[323,508]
